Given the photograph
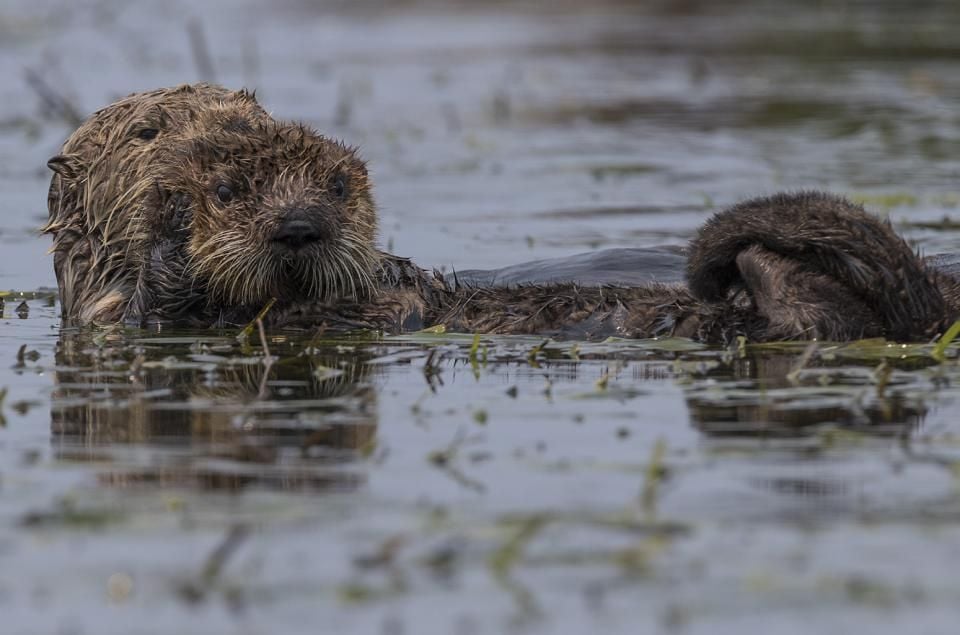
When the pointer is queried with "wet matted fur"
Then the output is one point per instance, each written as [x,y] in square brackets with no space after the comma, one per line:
[191,205]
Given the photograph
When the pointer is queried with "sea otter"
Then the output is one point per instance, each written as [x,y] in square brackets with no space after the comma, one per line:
[193,206]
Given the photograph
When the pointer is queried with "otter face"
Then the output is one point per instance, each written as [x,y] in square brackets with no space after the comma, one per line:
[272,210]
[181,198]
[103,194]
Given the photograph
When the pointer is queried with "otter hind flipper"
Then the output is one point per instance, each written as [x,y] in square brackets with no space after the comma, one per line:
[798,303]
[821,262]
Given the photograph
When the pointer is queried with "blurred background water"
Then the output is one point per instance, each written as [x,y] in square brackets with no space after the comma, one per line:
[175,483]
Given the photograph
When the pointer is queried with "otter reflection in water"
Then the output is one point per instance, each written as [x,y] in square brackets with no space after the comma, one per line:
[193,206]
[211,416]
[764,395]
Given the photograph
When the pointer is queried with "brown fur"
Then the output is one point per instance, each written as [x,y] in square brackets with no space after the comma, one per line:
[143,235]
[816,259]
[137,222]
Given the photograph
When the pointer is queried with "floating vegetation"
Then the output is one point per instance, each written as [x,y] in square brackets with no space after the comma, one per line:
[940,349]
[69,514]
[194,481]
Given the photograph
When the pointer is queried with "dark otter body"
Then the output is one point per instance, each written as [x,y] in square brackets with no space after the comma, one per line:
[193,206]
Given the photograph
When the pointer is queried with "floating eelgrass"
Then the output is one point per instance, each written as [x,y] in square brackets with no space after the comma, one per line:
[248,329]
[939,351]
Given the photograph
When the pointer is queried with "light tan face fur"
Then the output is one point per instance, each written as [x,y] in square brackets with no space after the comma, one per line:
[269,171]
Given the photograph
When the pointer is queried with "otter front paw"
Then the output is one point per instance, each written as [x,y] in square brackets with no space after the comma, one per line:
[816,265]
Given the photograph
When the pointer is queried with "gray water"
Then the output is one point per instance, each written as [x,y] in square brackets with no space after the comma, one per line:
[434,483]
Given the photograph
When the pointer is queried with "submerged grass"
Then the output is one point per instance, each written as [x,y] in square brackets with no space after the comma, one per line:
[69,514]
[655,474]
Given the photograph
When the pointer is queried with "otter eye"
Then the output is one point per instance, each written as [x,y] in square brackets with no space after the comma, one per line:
[224,194]
[148,133]
[339,187]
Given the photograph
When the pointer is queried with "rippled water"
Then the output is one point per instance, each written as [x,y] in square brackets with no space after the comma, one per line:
[201,483]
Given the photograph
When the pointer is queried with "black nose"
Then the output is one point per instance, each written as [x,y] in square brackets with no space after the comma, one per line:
[296,232]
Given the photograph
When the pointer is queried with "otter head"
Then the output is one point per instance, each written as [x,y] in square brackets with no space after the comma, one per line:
[272,210]
[194,195]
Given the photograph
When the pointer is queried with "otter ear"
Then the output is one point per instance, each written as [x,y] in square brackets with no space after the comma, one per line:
[65,195]
[67,166]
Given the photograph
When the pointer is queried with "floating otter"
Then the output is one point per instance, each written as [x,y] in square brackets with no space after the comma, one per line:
[192,206]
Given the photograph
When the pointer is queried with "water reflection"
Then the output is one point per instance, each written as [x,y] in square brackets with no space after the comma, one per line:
[213,414]
[210,398]
[768,395]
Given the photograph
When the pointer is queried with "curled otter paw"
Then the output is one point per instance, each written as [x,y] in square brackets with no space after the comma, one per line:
[816,265]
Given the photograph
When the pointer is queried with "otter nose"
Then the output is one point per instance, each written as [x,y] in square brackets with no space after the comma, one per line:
[296,231]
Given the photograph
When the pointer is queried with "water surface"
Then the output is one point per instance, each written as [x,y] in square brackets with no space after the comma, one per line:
[191,482]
